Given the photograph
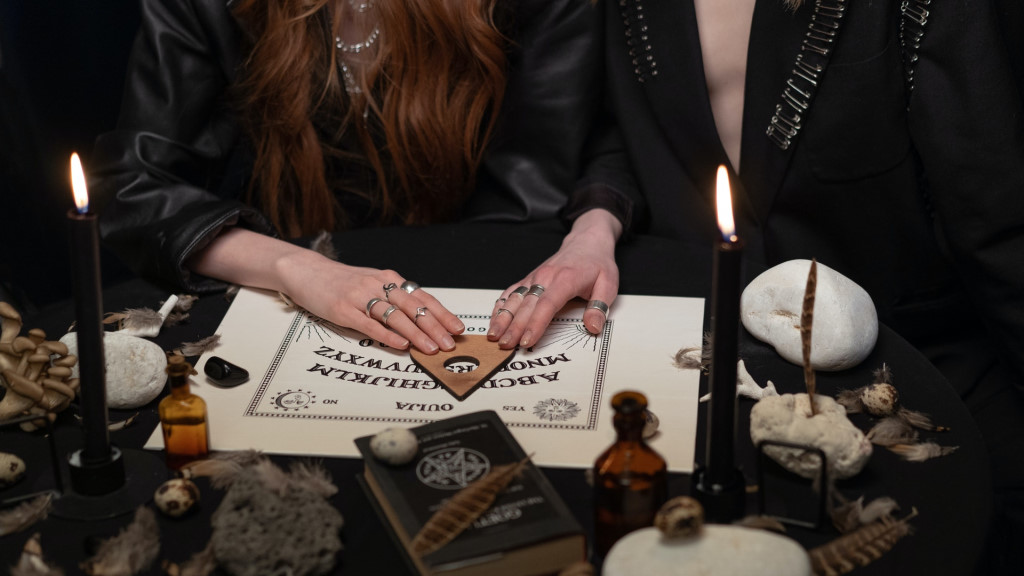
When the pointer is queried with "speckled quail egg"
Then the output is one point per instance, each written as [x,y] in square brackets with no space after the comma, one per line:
[176,496]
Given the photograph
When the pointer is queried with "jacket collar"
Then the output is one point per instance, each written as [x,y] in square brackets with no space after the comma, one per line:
[665,47]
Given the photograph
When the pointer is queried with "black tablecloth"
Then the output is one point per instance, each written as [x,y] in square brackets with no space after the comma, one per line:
[951,493]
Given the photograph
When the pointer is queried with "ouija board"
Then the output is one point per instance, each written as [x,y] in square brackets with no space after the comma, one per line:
[316,386]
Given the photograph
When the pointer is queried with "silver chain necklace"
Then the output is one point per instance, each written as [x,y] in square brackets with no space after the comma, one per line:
[349,77]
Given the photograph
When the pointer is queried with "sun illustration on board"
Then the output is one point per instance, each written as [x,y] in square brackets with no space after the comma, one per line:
[556,409]
[315,327]
[568,336]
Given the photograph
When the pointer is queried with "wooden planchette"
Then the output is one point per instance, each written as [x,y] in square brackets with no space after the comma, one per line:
[461,370]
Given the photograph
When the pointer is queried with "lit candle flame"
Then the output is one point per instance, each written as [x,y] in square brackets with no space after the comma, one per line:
[78,185]
[723,199]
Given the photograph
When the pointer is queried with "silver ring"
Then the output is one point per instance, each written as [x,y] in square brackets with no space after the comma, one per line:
[387,290]
[599,305]
[535,290]
[421,311]
[370,305]
[500,301]
[410,286]
[387,314]
[500,310]
[521,291]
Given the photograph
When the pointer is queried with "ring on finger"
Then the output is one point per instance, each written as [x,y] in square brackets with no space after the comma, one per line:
[535,290]
[387,290]
[510,313]
[599,305]
[521,291]
[421,311]
[500,301]
[370,305]
[410,286]
[387,314]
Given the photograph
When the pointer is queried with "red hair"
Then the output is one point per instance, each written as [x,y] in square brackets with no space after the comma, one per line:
[431,97]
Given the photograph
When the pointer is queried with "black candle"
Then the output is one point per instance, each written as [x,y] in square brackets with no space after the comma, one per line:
[725,307]
[85,266]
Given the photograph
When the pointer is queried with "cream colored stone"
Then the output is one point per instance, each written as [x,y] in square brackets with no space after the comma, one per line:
[721,550]
[788,418]
[135,368]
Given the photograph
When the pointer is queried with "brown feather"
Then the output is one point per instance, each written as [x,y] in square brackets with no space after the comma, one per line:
[464,508]
[806,324]
[921,452]
[129,552]
[861,547]
[199,347]
[850,399]
[920,420]
[892,430]
[25,514]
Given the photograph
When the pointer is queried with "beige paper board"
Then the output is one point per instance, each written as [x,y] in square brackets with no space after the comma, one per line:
[314,386]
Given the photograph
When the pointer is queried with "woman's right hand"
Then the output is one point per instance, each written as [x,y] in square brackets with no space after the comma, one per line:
[350,296]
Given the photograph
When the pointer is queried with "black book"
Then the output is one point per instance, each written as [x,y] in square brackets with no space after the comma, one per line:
[528,530]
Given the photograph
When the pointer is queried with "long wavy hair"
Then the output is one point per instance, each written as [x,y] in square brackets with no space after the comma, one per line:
[426,107]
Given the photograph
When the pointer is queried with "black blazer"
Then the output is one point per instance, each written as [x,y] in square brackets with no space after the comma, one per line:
[889,146]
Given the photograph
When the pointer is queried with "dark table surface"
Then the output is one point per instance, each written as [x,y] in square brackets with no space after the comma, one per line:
[952,494]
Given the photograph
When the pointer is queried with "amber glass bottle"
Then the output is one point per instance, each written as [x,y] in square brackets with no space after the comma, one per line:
[183,417]
[630,478]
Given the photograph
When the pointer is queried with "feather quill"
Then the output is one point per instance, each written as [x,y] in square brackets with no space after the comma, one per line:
[922,451]
[185,302]
[464,508]
[806,324]
[25,514]
[129,552]
[861,547]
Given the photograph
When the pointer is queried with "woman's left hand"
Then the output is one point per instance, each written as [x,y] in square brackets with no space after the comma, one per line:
[583,267]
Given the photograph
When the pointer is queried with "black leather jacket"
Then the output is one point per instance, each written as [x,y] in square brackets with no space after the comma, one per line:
[169,178]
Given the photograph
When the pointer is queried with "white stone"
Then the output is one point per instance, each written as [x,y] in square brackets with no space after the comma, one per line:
[135,368]
[845,320]
[396,446]
[788,418]
[722,550]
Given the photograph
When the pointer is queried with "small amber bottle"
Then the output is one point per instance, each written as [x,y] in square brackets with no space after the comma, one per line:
[183,417]
[630,478]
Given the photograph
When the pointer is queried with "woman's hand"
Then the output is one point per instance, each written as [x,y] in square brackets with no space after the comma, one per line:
[583,267]
[379,303]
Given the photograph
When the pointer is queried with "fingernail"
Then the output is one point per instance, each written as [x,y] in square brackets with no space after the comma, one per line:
[505,341]
[527,339]
[595,327]
[461,327]
[492,334]
[405,344]
[447,342]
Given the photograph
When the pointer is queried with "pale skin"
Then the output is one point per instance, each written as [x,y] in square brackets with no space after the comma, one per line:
[583,266]
[724,27]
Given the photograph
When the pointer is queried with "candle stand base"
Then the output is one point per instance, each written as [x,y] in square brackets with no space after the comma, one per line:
[123,485]
[722,503]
